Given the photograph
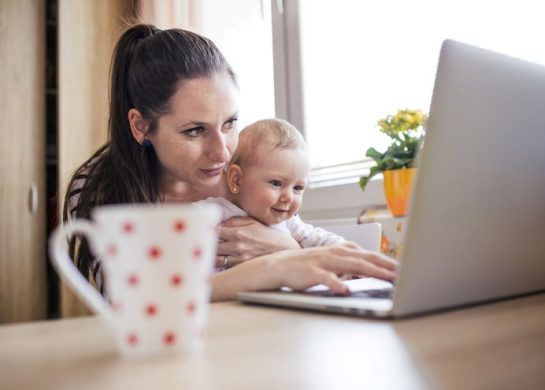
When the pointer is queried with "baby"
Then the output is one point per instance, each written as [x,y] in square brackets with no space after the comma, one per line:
[266,179]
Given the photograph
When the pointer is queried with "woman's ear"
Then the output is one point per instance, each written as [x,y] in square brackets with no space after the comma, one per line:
[139,125]
[234,178]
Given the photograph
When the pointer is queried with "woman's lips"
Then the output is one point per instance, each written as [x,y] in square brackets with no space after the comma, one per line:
[212,172]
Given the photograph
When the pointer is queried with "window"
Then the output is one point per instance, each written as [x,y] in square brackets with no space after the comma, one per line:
[242,31]
[348,63]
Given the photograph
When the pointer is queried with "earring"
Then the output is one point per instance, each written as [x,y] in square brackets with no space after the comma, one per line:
[147,144]
[235,190]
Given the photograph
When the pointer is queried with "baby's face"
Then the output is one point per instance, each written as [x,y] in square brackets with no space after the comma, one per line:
[271,188]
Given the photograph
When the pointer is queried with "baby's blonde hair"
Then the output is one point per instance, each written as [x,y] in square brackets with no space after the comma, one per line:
[277,133]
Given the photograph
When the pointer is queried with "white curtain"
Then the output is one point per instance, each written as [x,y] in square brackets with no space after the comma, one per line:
[169,13]
[211,18]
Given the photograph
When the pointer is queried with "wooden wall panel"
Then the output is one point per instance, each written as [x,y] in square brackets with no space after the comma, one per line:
[88,31]
[22,160]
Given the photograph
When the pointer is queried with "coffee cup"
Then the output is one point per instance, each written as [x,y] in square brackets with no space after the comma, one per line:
[156,264]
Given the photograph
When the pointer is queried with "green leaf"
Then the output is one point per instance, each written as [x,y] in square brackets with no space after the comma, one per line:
[374,154]
[372,172]
[363,182]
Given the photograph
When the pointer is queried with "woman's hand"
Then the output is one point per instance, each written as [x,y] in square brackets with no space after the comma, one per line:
[353,245]
[303,268]
[243,238]
[325,265]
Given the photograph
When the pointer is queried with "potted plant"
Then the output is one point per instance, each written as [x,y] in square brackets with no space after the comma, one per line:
[406,129]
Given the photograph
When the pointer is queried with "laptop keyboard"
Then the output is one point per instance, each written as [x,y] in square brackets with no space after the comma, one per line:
[383,293]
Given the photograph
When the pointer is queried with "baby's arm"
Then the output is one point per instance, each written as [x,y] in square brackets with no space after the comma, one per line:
[309,236]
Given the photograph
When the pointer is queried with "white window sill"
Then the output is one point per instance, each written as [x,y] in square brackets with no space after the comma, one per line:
[334,194]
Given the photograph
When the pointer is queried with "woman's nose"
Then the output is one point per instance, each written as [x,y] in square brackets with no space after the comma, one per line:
[217,148]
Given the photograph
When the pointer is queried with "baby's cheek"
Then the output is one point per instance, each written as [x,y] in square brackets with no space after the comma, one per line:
[294,208]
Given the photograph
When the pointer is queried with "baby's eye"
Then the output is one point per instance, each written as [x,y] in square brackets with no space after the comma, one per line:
[275,183]
[299,188]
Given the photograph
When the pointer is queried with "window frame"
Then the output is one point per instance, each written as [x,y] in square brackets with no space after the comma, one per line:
[333,191]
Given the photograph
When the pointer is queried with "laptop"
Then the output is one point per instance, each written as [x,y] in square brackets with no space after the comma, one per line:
[476,227]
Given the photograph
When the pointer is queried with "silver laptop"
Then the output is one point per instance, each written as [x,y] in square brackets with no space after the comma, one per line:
[476,230]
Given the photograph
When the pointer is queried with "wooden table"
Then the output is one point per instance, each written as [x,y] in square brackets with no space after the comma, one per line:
[500,345]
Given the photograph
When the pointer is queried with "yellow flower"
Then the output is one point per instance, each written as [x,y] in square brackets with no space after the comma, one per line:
[402,121]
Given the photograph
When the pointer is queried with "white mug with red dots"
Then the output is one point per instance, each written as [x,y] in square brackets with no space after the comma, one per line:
[156,262]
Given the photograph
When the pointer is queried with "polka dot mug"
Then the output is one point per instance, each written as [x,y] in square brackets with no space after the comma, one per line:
[156,265]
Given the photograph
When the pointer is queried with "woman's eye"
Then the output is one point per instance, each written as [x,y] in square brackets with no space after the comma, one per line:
[194,132]
[230,123]
[275,183]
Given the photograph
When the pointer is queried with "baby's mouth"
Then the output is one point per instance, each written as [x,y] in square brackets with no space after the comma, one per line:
[279,210]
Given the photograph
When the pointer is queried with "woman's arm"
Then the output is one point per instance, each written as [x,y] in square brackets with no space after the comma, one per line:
[300,269]
[244,238]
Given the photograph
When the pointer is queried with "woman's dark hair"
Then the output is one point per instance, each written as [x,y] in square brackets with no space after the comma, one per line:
[147,66]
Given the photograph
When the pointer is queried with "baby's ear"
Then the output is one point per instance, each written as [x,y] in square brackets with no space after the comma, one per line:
[234,178]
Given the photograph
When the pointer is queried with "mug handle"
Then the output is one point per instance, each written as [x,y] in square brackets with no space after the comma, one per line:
[64,265]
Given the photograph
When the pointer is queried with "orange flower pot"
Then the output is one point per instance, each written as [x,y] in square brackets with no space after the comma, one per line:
[397,189]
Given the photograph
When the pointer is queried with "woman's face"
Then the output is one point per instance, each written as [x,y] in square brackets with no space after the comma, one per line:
[196,139]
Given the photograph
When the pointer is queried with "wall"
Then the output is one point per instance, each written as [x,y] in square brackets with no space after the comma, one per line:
[87,32]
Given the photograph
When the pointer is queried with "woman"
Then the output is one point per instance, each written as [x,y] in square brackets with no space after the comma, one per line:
[171,132]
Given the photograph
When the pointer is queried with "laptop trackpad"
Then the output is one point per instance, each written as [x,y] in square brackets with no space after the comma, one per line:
[362,288]
[367,295]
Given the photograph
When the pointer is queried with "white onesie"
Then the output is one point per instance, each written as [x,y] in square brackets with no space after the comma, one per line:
[305,234]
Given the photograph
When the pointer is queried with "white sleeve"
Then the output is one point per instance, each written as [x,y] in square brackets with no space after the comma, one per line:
[309,236]
[228,209]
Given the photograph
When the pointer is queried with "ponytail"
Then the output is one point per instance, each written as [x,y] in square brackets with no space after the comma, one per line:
[120,100]
[139,162]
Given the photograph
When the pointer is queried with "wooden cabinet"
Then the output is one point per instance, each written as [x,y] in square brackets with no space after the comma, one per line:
[86,34]
[23,290]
